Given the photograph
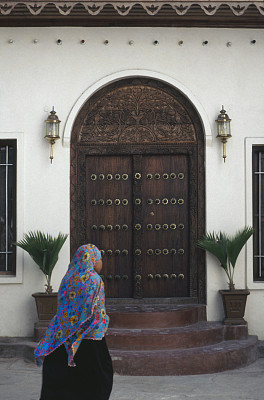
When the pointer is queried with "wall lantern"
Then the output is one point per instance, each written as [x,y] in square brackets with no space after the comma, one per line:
[223,129]
[52,130]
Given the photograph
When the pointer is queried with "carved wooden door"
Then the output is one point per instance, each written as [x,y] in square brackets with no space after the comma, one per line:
[137,214]
[137,188]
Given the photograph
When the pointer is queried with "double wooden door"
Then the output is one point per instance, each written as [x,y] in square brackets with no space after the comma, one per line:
[137,213]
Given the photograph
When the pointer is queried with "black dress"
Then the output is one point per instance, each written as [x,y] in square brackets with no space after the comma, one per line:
[91,379]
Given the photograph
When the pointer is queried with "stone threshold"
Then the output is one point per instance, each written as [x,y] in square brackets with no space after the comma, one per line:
[152,301]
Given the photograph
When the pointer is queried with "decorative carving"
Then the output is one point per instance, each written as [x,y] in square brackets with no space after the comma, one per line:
[137,114]
[124,8]
[35,9]
[64,9]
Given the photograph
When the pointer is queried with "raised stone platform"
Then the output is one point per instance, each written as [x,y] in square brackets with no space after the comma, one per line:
[174,339]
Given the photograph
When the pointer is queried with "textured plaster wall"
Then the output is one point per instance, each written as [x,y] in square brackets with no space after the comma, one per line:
[34,77]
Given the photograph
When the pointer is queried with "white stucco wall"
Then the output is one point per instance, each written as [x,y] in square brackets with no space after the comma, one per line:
[34,77]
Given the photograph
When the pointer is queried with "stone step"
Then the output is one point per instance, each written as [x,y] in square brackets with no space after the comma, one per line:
[155,316]
[195,335]
[189,361]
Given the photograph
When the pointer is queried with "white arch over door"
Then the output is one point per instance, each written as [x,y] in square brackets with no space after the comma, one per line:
[130,74]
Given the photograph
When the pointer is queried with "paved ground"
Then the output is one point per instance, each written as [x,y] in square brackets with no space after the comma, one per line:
[21,380]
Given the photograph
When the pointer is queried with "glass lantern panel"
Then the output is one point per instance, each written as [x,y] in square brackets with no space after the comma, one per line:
[224,128]
[52,129]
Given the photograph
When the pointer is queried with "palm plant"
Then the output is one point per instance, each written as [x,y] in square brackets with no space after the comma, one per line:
[44,250]
[226,249]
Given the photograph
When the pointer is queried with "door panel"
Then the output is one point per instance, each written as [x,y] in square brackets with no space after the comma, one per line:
[109,219]
[165,226]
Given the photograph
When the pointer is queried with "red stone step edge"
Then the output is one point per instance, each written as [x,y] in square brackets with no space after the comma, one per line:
[203,360]
[196,335]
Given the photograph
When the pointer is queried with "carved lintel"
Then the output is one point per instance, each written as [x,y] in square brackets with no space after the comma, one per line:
[137,114]
[125,8]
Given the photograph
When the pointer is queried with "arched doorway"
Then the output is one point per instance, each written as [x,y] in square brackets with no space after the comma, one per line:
[137,188]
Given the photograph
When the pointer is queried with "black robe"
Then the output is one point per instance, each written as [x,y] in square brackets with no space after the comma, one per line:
[91,379]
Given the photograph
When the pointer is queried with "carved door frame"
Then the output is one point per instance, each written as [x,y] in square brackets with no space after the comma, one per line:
[88,139]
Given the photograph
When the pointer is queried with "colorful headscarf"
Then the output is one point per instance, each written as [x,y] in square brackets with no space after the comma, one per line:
[81,307]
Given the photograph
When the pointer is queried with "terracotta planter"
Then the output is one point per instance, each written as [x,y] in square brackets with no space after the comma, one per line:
[46,305]
[46,308]
[234,305]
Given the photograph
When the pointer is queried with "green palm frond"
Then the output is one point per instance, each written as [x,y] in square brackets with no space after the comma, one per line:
[44,250]
[226,249]
[216,244]
[236,243]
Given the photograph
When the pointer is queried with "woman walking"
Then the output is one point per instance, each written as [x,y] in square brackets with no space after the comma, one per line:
[77,364]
